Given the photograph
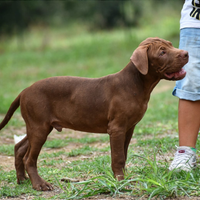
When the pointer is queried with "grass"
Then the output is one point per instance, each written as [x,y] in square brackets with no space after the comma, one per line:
[43,53]
[58,143]
[26,60]
[7,149]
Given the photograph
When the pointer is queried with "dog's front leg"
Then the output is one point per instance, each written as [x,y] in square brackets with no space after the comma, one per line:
[118,157]
[128,137]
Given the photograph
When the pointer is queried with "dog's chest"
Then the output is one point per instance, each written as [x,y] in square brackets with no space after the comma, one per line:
[136,113]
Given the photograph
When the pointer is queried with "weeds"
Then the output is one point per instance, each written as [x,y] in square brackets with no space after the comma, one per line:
[103,184]
[150,181]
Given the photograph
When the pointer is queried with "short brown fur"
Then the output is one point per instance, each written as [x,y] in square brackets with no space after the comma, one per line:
[113,104]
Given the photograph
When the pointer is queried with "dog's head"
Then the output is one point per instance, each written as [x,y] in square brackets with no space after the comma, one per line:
[158,57]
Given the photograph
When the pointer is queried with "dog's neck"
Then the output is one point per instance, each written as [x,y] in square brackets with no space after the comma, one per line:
[146,82]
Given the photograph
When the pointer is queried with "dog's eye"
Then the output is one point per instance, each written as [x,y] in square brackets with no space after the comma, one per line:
[162,53]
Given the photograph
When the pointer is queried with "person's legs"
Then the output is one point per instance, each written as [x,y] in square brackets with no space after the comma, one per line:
[188,125]
[188,122]
[188,92]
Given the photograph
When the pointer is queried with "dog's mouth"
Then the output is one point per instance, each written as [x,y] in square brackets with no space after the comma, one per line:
[176,75]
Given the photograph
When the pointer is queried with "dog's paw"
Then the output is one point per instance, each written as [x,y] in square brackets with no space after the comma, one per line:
[43,186]
[120,177]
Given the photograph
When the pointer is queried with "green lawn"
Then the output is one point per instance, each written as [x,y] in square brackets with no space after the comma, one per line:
[42,53]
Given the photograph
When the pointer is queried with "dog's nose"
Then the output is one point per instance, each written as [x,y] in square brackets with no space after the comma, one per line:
[184,54]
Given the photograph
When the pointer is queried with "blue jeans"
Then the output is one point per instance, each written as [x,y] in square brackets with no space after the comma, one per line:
[189,87]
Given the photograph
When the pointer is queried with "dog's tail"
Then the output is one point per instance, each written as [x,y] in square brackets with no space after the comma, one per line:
[13,107]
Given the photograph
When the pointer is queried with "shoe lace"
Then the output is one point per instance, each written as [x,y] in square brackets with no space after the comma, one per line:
[182,158]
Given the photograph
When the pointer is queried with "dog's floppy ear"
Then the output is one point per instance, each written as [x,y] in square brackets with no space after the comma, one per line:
[140,59]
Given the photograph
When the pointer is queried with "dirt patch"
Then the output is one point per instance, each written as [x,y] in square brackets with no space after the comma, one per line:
[7,162]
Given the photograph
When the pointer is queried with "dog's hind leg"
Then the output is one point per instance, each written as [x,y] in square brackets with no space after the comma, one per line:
[20,151]
[37,137]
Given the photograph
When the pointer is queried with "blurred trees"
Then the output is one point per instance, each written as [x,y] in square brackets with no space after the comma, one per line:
[105,14]
[17,16]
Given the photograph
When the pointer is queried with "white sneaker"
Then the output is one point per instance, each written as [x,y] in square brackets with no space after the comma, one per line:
[184,159]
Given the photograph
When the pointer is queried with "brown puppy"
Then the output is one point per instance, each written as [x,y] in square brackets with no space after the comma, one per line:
[113,104]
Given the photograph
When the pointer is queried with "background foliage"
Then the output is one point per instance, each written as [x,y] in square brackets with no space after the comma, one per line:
[16,16]
[39,39]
